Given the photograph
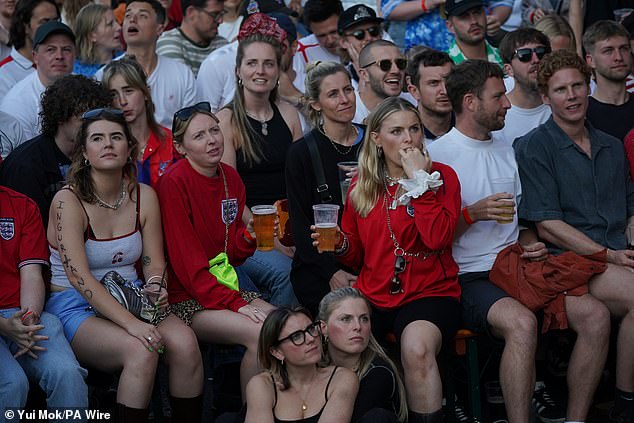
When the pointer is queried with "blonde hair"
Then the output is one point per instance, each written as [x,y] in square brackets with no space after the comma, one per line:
[555,26]
[370,186]
[373,350]
[72,8]
[245,137]
[316,72]
[88,19]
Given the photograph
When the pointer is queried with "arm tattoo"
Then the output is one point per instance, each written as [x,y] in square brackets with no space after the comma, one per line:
[88,294]
[146,260]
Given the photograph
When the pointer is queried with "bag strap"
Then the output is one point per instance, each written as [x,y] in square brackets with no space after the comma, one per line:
[322,185]
[224,181]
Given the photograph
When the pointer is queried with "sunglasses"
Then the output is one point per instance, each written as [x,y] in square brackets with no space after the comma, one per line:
[101,112]
[373,31]
[525,55]
[186,113]
[299,337]
[386,64]
[395,283]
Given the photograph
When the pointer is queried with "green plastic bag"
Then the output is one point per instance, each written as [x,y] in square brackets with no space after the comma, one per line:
[224,272]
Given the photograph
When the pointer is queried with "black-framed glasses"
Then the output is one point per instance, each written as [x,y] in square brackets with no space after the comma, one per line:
[386,64]
[399,267]
[216,16]
[101,112]
[359,34]
[299,336]
[526,54]
[186,113]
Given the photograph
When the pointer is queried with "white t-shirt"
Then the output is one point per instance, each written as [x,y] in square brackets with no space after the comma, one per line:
[216,77]
[477,163]
[520,121]
[229,30]
[309,50]
[12,70]
[23,103]
[362,111]
[172,85]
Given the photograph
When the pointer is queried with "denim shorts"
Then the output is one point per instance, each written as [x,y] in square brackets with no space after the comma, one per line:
[70,308]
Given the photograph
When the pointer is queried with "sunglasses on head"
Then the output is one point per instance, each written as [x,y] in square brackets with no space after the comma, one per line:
[526,54]
[395,283]
[373,31]
[299,336]
[101,112]
[186,113]
[386,64]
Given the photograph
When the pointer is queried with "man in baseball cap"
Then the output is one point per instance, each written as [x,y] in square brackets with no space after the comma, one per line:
[467,20]
[358,26]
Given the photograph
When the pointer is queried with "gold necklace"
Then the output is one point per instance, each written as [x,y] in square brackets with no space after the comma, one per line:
[117,203]
[263,122]
[335,143]
[310,388]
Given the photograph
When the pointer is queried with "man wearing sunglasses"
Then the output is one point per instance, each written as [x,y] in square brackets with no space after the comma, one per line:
[382,75]
[197,36]
[467,20]
[522,51]
[358,26]
[609,54]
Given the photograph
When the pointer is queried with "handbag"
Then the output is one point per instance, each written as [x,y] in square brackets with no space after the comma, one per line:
[128,295]
[219,266]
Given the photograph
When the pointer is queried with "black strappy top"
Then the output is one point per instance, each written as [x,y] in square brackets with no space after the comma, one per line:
[311,419]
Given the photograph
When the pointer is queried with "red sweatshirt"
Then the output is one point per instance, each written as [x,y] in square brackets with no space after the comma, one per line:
[191,210]
[431,228]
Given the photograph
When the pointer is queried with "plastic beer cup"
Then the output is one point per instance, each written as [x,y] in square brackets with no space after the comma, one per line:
[505,185]
[326,216]
[264,226]
[344,180]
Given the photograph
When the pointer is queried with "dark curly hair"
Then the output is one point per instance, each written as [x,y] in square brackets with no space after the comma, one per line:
[71,96]
[22,18]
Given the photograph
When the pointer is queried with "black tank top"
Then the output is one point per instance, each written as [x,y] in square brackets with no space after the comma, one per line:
[311,419]
[264,182]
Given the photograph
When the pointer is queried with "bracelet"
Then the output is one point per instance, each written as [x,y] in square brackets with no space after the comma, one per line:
[27,314]
[151,278]
[340,250]
[248,236]
[467,218]
[423,6]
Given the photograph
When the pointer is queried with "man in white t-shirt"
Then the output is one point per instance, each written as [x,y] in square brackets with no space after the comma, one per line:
[321,17]
[489,181]
[54,56]
[171,82]
[521,52]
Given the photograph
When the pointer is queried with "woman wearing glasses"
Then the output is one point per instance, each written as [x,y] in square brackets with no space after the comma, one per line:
[127,81]
[258,130]
[332,106]
[202,202]
[397,228]
[103,221]
[293,387]
[345,318]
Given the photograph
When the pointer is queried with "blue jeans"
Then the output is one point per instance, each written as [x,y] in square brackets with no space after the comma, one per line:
[270,272]
[56,370]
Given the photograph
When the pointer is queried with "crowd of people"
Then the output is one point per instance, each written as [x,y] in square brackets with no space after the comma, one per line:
[486,152]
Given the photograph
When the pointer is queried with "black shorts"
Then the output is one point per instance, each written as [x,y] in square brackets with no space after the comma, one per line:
[443,312]
[478,295]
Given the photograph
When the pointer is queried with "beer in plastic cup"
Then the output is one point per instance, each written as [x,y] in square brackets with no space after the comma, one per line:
[505,185]
[344,180]
[284,230]
[264,226]
[326,216]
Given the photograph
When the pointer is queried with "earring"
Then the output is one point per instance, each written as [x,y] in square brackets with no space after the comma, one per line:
[130,159]
[325,339]
[86,163]
[282,362]
[239,82]
[379,150]
[278,82]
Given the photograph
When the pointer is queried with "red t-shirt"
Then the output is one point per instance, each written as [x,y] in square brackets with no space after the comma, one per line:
[427,225]
[22,242]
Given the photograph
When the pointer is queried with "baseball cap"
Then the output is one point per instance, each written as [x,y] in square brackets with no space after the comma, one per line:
[267,6]
[49,28]
[286,24]
[458,7]
[357,14]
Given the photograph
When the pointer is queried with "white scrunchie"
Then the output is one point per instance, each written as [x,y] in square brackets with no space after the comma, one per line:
[420,184]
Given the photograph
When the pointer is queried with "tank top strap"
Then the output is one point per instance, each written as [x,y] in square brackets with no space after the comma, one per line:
[138,207]
[88,232]
[330,380]
[274,390]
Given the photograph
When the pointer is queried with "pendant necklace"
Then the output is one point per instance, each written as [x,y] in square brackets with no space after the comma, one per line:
[117,203]
[310,388]
[394,199]
[346,148]
[263,123]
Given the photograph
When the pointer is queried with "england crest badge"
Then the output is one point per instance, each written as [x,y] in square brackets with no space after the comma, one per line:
[7,228]
[229,210]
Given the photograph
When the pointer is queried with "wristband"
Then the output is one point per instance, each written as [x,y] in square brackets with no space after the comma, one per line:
[467,218]
[27,314]
[248,236]
[422,5]
[531,17]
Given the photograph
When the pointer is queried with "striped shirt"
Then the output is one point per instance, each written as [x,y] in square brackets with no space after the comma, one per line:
[176,45]
[458,57]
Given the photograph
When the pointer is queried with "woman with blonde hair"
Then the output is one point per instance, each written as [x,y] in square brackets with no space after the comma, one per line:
[558,31]
[345,318]
[97,37]
[103,221]
[128,83]
[397,229]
